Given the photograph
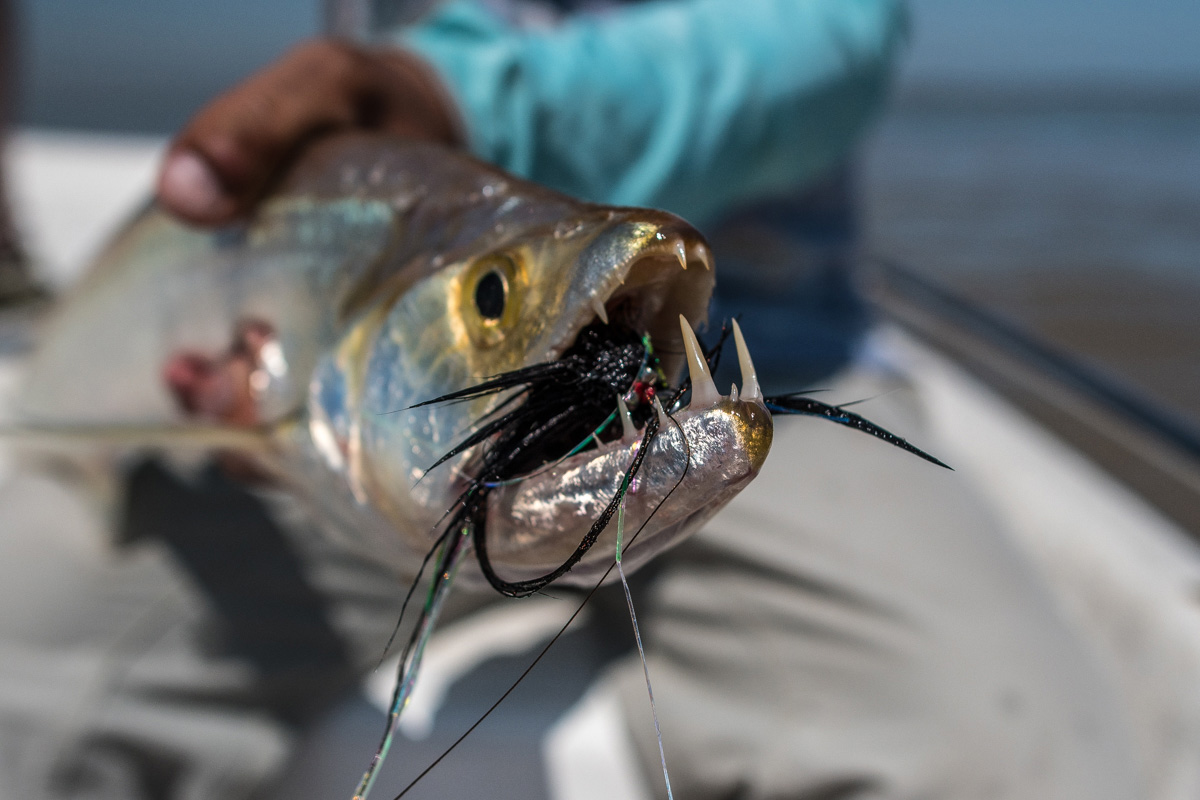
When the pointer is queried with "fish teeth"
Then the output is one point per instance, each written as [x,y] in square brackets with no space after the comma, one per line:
[601,311]
[750,390]
[662,415]
[733,395]
[700,253]
[628,431]
[681,253]
[704,391]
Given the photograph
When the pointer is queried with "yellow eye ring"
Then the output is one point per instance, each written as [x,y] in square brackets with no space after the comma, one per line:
[490,297]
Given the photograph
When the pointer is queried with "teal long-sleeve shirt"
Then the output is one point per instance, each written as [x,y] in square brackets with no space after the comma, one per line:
[695,106]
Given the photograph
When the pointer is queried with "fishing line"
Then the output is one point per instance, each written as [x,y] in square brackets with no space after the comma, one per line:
[563,629]
[451,554]
[412,588]
[637,635]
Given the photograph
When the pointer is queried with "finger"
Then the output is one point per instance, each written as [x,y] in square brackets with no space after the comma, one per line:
[189,187]
[229,153]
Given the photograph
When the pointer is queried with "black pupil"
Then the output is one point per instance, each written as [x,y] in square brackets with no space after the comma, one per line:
[489,295]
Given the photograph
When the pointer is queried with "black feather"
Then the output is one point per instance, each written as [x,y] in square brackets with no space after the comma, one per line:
[798,404]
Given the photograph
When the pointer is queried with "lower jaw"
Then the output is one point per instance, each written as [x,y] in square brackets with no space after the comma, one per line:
[696,464]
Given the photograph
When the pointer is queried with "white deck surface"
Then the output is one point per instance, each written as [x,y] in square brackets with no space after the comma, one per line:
[1128,576]
[70,191]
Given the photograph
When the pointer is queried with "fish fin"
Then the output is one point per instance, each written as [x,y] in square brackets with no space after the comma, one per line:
[58,436]
[796,404]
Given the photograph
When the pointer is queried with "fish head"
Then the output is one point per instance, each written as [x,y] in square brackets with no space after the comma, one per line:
[510,302]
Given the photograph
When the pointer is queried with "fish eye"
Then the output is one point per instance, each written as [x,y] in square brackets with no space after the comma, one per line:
[491,293]
[490,297]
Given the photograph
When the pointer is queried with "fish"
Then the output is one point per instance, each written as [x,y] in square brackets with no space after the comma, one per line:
[304,347]
[440,359]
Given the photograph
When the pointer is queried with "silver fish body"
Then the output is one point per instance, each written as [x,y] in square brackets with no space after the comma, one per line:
[383,273]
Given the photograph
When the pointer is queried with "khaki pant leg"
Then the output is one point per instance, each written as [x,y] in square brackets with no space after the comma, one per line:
[854,626]
[109,685]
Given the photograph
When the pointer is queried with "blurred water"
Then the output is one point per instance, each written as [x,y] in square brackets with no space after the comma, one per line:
[1082,226]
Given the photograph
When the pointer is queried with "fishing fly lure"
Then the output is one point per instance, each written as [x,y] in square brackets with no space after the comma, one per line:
[564,407]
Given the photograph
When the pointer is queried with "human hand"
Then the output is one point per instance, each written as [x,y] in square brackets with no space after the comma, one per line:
[226,158]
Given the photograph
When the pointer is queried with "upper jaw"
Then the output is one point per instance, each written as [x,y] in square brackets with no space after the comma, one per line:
[643,271]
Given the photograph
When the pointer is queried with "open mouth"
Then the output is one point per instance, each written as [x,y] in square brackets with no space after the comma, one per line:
[624,361]
[598,410]
[604,398]
[606,382]
[670,275]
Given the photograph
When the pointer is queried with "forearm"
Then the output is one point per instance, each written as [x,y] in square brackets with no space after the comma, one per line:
[690,105]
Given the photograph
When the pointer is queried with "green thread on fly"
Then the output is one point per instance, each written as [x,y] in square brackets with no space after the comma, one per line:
[650,376]
[624,490]
[591,437]
[658,370]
